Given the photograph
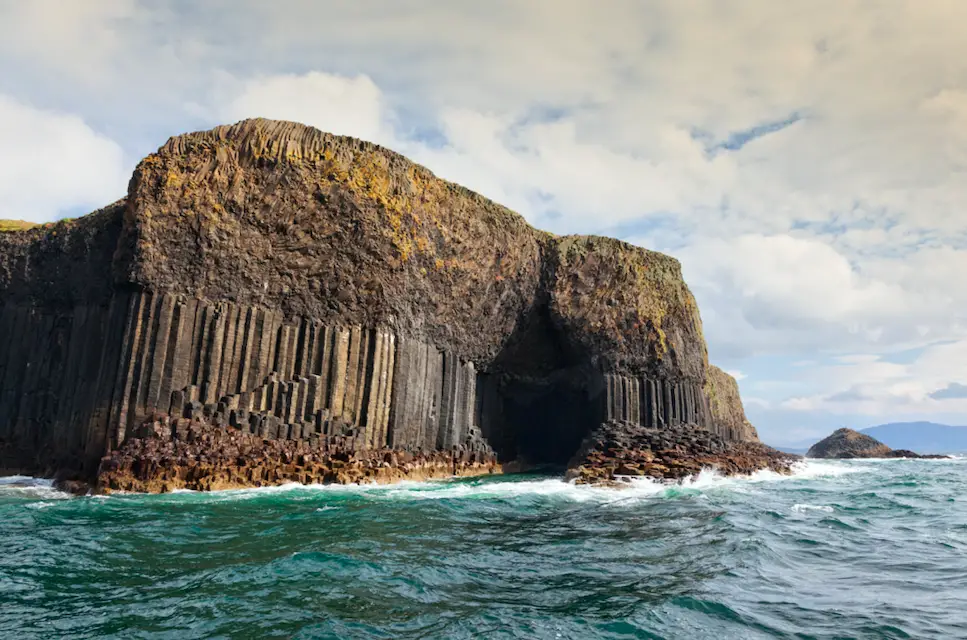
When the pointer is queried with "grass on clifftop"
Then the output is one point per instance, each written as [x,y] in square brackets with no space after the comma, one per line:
[15,225]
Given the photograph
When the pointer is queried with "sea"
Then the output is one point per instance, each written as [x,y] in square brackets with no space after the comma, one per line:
[839,549]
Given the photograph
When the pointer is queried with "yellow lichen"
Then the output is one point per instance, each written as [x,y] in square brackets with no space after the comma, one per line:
[7,226]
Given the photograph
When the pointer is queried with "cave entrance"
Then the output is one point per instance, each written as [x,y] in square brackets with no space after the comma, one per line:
[549,418]
[540,399]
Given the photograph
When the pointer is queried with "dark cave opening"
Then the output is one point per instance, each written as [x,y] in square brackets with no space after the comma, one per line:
[541,397]
[548,419]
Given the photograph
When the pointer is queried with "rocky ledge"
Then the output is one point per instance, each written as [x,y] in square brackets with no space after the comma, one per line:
[168,454]
[619,450]
[845,444]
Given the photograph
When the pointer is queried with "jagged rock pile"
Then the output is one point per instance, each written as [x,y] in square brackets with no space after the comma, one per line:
[167,454]
[620,449]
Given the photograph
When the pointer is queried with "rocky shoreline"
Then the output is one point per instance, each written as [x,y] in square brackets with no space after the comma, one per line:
[167,455]
[618,451]
[181,454]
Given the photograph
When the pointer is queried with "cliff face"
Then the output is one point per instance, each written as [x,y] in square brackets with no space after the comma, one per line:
[728,414]
[300,286]
[279,215]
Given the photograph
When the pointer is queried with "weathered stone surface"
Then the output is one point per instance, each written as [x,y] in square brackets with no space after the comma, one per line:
[270,277]
[728,415]
[847,443]
[618,450]
[204,458]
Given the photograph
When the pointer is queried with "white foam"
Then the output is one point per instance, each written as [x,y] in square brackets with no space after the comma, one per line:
[809,468]
[39,505]
[449,490]
[630,488]
[803,508]
[26,481]
[549,487]
[29,487]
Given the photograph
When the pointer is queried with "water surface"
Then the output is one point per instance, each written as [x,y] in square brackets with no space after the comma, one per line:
[870,549]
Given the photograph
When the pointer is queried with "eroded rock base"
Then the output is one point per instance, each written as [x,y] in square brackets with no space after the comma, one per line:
[169,456]
[617,450]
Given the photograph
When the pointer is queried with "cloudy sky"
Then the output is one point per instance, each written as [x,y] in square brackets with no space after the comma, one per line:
[806,161]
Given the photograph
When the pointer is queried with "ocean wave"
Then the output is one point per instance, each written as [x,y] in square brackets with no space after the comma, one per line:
[804,508]
[629,489]
[25,481]
[501,487]
[30,488]
[409,490]
[810,468]
[669,560]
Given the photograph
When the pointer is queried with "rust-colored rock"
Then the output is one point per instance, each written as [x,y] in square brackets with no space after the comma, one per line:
[164,457]
[618,451]
[728,413]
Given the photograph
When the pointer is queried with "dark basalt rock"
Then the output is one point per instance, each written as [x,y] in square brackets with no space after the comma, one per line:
[270,280]
[618,451]
[847,443]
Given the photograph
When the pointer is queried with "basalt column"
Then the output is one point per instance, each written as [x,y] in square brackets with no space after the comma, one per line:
[654,403]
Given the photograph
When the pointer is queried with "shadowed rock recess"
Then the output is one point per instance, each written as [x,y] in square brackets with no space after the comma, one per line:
[271,303]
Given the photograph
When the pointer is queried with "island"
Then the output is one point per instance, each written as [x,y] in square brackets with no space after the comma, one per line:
[271,303]
[846,444]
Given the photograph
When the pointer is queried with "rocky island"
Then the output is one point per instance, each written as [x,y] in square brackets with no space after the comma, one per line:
[846,444]
[270,303]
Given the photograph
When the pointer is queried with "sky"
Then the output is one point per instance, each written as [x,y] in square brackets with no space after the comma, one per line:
[806,160]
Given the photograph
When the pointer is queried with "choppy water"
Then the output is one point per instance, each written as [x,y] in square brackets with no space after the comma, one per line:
[872,549]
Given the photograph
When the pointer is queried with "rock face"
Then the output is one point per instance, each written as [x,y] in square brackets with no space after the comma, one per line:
[295,286]
[728,414]
[846,443]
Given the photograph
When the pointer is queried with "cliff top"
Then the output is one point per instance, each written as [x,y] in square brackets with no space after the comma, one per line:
[261,140]
[368,168]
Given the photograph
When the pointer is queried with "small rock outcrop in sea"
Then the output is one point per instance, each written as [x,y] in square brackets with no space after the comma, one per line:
[327,297]
[847,443]
[619,450]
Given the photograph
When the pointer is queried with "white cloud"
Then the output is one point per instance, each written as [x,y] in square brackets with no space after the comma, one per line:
[80,37]
[870,385]
[53,162]
[796,294]
[341,105]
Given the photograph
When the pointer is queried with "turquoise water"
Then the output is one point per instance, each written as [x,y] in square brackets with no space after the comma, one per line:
[872,549]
